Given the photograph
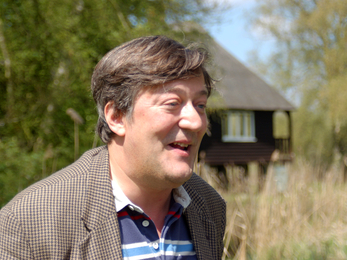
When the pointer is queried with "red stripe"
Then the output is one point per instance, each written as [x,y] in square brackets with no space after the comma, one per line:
[138,217]
[173,213]
[122,214]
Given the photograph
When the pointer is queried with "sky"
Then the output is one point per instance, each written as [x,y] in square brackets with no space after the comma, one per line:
[238,38]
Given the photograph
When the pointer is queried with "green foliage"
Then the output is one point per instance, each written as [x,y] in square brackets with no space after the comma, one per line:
[18,169]
[48,49]
[281,125]
[310,63]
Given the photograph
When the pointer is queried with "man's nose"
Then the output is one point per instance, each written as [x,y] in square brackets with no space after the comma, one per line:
[191,119]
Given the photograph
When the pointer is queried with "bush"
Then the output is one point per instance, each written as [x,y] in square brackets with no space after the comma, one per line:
[18,169]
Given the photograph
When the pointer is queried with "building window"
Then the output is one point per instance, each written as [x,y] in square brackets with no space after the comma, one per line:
[238,126]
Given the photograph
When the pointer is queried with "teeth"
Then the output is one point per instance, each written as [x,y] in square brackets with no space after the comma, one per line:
[182,145]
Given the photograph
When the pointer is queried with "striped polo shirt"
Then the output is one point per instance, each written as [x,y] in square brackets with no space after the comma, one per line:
[139,236]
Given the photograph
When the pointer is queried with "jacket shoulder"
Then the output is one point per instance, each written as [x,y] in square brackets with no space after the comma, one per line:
[206,198]
[63,177]
[44,220]
[199,186]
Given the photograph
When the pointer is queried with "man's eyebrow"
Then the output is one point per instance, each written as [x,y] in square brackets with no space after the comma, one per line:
[181,91]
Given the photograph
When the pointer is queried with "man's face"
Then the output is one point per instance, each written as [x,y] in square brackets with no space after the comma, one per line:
[164,133]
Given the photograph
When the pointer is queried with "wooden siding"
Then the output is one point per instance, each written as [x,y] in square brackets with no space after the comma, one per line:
[220,153]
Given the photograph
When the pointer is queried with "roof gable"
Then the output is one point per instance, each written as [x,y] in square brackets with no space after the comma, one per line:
[240,88]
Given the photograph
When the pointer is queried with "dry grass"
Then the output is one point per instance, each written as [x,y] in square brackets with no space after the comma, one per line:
[308,220]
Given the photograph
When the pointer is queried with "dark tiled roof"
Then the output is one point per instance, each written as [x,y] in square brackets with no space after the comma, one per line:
[240,88]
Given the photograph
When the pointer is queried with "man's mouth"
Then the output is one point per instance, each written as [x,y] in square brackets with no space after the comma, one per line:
[180,146]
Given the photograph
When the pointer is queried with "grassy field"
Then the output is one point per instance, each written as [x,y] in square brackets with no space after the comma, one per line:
[305,218]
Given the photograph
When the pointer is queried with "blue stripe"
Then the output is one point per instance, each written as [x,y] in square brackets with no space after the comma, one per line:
[178,248]
[143,250]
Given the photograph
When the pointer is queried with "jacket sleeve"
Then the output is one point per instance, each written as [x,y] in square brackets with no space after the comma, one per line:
[12,240]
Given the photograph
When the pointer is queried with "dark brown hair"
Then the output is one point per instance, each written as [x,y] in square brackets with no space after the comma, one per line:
[142,62]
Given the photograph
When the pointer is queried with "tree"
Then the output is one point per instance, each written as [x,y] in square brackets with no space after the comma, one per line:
[310,61]
[48,49]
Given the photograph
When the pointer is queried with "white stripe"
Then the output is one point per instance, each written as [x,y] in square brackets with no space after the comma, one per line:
[168,253]
[161,241]
[175,242]
[138,257]
[134,245]
[177,253]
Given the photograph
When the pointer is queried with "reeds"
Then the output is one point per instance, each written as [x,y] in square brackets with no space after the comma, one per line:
[306,220]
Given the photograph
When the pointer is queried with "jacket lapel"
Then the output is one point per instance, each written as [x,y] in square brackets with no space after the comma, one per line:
[202,229]
[99,215]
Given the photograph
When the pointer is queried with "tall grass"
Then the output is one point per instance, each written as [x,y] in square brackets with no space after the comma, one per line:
[306,220]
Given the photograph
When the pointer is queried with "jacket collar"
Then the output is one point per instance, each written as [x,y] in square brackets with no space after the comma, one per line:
[202,229]
[99,212]
[99,202]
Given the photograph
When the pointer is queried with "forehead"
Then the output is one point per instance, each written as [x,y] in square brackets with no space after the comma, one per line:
[191,88]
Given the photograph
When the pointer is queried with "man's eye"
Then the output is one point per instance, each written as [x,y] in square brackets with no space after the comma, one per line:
[172,104]
[202,106]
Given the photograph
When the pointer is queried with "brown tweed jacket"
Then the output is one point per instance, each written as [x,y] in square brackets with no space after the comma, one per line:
[72,215]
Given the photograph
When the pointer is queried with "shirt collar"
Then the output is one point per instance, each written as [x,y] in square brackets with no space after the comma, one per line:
[180,196]
[122,200]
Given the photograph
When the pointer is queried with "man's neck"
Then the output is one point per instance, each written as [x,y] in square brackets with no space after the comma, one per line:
[154,202]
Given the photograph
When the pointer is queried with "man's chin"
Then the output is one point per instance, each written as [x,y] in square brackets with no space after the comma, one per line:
[179,178]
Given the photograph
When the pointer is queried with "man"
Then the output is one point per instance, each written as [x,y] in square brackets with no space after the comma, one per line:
[137,197]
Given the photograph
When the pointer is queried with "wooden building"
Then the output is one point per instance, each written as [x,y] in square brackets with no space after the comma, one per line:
[241,123]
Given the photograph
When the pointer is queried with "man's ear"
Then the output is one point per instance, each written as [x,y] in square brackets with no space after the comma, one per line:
[114,119]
